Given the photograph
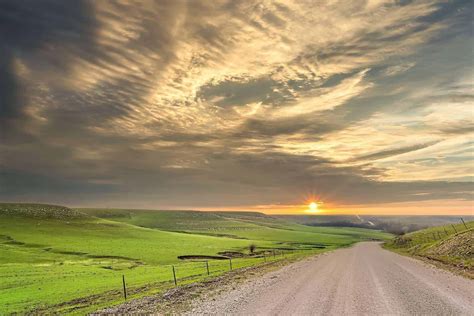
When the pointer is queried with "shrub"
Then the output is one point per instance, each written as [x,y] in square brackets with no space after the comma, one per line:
[252,248]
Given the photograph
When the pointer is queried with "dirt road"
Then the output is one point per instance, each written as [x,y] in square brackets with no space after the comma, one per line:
[364,279]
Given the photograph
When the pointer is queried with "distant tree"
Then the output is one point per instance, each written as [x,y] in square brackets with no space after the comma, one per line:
[252,248]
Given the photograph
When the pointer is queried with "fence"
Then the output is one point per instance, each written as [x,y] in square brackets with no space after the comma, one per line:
[435,233]
[186,272]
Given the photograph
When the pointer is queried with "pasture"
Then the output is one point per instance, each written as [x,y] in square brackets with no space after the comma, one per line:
[54,259]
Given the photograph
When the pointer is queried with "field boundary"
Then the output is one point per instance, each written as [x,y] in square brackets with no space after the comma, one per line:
[234,267]
[178,299]
[422,245]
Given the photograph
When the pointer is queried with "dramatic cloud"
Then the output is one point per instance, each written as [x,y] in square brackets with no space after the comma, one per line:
[202,104]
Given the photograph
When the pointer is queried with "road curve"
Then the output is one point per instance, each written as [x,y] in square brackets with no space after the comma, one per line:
[364,279]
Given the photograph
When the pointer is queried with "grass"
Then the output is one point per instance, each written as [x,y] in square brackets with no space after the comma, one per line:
[450,245]
[255,226]
[57,260]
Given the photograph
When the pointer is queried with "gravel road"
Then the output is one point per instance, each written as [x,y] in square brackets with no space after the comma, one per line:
[364,279]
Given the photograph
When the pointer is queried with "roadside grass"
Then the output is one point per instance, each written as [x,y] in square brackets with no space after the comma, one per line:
[74,262]
[451,245]
[139,285]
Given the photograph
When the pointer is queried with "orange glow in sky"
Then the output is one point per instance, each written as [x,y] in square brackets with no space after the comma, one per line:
[316,207]
[313,207]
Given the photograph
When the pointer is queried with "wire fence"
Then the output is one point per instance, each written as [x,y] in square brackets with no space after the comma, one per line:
[434,234]
[198,269]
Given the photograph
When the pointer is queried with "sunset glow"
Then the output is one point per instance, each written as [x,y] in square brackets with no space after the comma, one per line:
[152,143]
[313,207]
[243,105]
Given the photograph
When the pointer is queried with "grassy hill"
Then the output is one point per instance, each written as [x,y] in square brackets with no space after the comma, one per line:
[57,260]
[242,225]
[40,211]
[449,245]
[49,260]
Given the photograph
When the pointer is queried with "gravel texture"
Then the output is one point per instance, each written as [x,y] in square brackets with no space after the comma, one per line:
[364,279]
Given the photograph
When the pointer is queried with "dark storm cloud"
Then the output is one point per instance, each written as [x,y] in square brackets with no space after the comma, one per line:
[32,27]
[9,89]
[34,24]
[227,103]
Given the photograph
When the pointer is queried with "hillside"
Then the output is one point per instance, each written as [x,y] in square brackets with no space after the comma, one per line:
[240,225]
[46,260]
[451,246]
[57,260]
[39,211]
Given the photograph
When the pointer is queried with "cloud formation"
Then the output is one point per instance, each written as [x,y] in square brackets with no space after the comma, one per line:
[235,104]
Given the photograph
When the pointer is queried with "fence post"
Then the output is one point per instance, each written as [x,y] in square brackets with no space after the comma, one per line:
[207,267]
[174,277]
[230,263]
[264,257]
[454,227]
[274,254]
[124,287]
[463,222]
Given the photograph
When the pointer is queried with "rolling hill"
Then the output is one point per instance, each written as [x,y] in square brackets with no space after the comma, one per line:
[451,246]
[58,260]
[241,225]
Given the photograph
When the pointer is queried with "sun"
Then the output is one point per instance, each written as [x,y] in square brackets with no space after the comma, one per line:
[313,207]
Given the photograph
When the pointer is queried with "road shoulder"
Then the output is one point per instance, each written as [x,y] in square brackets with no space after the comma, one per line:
[183,299]
[433,262]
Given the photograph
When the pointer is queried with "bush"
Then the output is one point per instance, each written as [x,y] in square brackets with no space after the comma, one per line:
[252,248]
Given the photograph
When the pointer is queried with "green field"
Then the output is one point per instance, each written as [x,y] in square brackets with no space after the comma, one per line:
[237,225]
[54,259]
[451,245]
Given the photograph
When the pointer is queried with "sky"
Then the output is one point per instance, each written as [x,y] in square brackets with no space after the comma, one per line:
[363,106]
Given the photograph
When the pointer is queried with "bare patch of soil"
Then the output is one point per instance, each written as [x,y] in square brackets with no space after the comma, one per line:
[194,257]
